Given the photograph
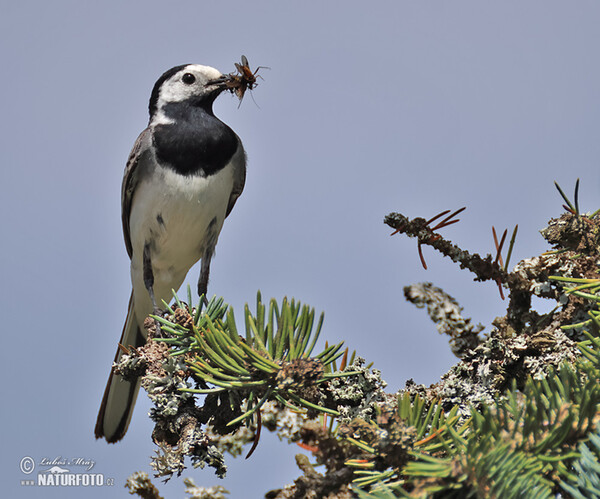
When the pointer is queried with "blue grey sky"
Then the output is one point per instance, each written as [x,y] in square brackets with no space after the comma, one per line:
[397,105]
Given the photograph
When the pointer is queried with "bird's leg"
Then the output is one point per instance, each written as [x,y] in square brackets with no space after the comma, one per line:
[149,283]
[209,250]
[204,272]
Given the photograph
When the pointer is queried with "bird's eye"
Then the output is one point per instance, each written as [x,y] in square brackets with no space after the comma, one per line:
[188,78]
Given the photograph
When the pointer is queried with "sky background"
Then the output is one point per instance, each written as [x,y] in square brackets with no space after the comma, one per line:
[405,106]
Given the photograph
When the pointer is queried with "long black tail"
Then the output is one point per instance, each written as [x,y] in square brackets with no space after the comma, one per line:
[120,395]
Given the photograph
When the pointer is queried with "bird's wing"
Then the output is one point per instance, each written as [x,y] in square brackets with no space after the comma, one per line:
[239,176]
[139,154]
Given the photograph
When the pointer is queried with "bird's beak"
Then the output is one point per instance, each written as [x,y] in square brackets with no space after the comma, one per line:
[220,82]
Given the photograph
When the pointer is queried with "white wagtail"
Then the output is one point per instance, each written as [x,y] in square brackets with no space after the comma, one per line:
[182,178]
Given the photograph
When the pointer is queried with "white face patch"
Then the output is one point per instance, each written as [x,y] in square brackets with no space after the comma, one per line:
[175,90]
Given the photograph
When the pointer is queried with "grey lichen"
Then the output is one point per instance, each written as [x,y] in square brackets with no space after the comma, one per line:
[524,342]
[196,492]
[287,424]
[446,313]
[164,391]
[357,396]
[139,483]
[170,459]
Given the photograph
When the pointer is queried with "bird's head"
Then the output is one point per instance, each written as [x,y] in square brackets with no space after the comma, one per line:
[193,83]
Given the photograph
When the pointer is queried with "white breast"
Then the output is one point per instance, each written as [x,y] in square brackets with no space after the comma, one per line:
[172,213]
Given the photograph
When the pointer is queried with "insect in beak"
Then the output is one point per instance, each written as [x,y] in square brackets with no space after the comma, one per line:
[244,79]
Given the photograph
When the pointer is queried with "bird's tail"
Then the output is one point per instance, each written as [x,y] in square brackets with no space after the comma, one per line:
[120,395]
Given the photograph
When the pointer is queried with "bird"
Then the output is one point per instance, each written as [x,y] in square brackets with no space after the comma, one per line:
[182,178]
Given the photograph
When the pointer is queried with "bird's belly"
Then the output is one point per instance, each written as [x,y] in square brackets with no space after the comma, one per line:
[173,218]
